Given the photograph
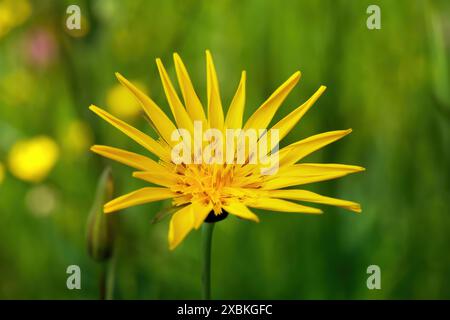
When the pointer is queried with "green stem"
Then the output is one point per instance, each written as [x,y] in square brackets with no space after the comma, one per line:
[110,277]
[207,231]
[107,277]
[102,281]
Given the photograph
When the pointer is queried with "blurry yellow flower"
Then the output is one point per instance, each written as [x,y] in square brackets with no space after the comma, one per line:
[2,172]
[78,137]
[31,160]
[121,101]
[12,14]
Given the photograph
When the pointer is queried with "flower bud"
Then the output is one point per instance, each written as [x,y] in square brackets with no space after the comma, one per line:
[100,226]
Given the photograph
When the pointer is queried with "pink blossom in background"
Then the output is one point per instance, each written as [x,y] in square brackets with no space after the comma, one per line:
[41,48]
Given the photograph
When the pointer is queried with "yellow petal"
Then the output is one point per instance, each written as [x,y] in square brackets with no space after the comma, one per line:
[236,111]
[126,157]
[308,173]
[280,205]
[262,117]
[215,111]
[180,225]
[160,178]
[241,192]
[138,136]
[304,195]
[141,196]
[240,210]
[191,100]
[162,124]
[179,112]
[312,169]
[287,123]
[200,213]
[298,150]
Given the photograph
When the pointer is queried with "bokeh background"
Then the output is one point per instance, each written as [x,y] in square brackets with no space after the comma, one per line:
[390,85]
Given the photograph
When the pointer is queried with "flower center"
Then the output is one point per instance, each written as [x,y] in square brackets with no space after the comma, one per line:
[213,184]
[204,183]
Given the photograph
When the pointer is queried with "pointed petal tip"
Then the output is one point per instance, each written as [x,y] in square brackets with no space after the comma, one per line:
[209,58]
[94,108]
[108,209]
[356,208]
[354,169]
[293,80]
[120,78]
[345,132]
[137,174]
[177,58]
[111,207]
[197,226]
[172,243]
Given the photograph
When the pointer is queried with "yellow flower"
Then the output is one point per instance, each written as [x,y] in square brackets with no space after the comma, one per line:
[2,172]
[31,160]
[122,103]
[209,192]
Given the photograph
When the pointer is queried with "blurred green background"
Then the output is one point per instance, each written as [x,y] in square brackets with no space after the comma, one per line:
[390,85]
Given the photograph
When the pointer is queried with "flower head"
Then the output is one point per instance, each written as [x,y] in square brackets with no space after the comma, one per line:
[205,188]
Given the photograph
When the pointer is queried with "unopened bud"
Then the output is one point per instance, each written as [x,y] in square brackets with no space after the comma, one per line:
[101,227]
